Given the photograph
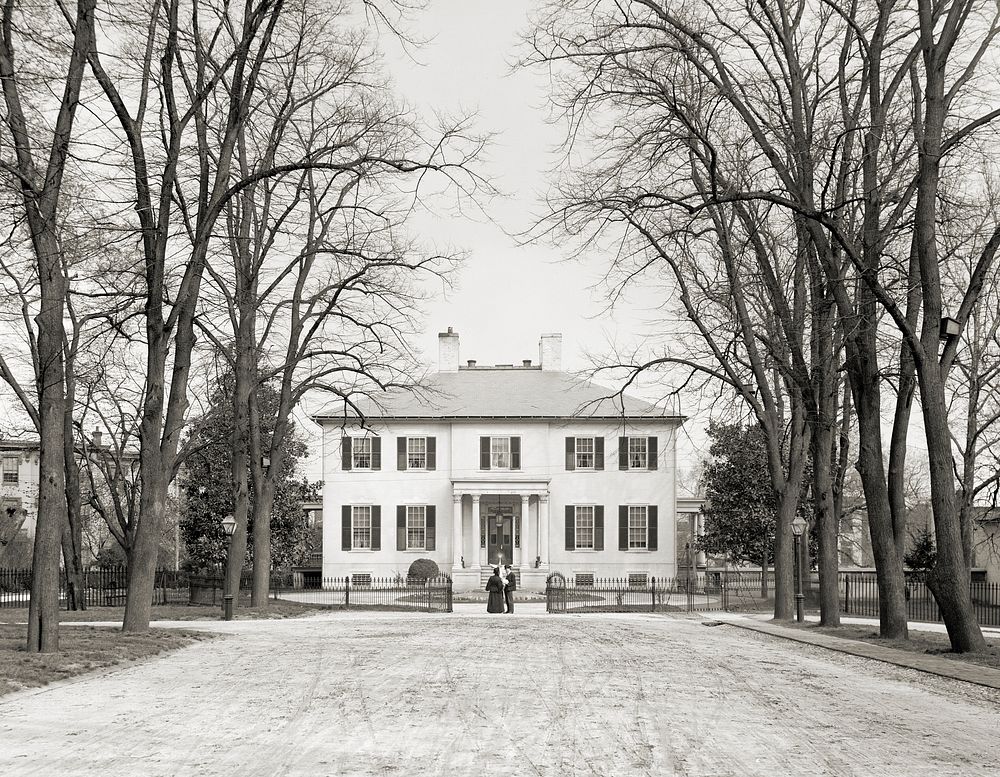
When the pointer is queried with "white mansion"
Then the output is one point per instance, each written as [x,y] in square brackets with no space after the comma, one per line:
[526,465]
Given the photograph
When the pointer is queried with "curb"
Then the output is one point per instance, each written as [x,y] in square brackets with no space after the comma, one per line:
[968,673]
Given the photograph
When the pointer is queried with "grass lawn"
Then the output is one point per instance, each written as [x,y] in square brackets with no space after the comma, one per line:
[919,642]
[81,649]
[174,612]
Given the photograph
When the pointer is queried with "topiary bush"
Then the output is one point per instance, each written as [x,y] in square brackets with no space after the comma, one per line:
[422,570]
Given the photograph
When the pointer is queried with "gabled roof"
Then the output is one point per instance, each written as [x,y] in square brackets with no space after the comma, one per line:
[503,392]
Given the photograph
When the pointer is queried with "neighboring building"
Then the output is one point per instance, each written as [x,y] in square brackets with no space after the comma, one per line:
[525,464]
[18,500]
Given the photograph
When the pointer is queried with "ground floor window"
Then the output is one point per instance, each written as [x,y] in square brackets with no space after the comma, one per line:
[416,527]
[637,527]
[361,527]
[585,527]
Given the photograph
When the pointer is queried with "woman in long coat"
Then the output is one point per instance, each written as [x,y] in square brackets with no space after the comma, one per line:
[494,587]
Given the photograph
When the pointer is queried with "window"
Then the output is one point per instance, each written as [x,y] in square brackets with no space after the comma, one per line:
[500,452]
[361,580]
[361,528]
[361,450]
[416,527]
[638,580]
[637,458]
[585,527]
[10,467]
[637,527]
[584,579]
[584,452]
[416,452]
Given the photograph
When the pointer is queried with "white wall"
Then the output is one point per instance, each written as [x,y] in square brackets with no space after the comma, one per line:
[542,458]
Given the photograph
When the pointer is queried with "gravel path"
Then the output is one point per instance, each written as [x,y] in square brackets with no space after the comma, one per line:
[400,693]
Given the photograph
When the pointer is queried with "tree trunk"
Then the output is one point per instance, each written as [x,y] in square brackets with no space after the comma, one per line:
[72,533]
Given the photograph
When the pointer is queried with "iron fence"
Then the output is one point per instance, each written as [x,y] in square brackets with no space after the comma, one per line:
[102,587]
[859,596]
[687,593]
[433,595]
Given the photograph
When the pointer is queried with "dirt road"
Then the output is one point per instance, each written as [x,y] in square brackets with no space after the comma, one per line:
[395,694]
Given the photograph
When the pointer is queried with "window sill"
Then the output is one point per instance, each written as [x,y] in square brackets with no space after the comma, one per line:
[362,550]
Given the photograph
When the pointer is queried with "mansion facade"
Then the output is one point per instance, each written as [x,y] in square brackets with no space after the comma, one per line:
[524,465]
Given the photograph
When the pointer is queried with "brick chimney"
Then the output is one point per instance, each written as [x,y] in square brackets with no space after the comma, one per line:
[550,352]
[448,351]
[95,438]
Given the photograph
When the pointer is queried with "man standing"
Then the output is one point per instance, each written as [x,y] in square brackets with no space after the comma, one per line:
[508,590]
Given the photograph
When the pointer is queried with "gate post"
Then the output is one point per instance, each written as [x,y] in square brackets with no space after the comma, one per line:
[652,590]
[347,592]
[449,595]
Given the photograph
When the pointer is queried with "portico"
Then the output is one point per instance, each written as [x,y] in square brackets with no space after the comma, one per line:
[499,521]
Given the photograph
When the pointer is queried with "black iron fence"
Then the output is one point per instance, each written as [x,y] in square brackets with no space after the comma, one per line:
[433,595]
[859,596]
[639,593]
[102,587]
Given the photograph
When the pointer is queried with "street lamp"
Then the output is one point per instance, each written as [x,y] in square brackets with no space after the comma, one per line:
[798,526]
[228,528]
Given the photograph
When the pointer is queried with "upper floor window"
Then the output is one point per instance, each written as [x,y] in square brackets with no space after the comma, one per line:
[584,527]
[637,453]
[584,453]
[10,467]
[416,453]
[364,453]
[500,452]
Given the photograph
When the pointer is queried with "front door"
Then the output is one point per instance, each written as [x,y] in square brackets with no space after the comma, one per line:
[499,517]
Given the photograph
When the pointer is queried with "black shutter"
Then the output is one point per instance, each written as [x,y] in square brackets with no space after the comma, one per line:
[598,527]
[623,453]
[651,452]
[515,453]
[401,454]
[376,453]
[400,527]
[345,454]
[376,527]
[598,453]
[484,453]
[651,523]
[432,453]
[570,453]
[622,527]
[570,527]
[431,526]
[345,527]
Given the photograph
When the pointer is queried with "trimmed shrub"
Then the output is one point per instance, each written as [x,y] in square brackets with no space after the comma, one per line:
[422,570]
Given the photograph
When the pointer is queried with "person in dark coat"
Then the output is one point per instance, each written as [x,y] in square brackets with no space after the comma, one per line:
[494,587]
[508,591]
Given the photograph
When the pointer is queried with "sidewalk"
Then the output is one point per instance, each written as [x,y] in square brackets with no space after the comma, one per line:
[937,665]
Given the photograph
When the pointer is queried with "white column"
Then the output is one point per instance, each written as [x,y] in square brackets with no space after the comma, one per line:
[543,530]
[477,529]
[457,543]
[519,552]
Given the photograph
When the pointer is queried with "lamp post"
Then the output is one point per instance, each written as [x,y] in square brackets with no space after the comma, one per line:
[798,526]
[229,528]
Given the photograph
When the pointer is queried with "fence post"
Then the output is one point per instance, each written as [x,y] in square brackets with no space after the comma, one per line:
[449,596]
[652,589]
[347,592]
[847,594]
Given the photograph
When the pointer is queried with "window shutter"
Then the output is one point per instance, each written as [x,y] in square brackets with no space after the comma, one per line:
[400,527]
[598,453]
[432,453]
[515,453]
[401,454]
[376,453]
[570,453]
[345,454]
[622,527]
[376,527]
[651,523]
[623,453]
[598,527]
[431,516]
[484,453]
[345,527]
[570,527]
[651,452]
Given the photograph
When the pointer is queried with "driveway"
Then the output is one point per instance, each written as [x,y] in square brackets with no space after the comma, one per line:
[403,693]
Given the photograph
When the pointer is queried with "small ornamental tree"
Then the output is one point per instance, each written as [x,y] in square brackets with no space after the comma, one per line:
[422,570]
